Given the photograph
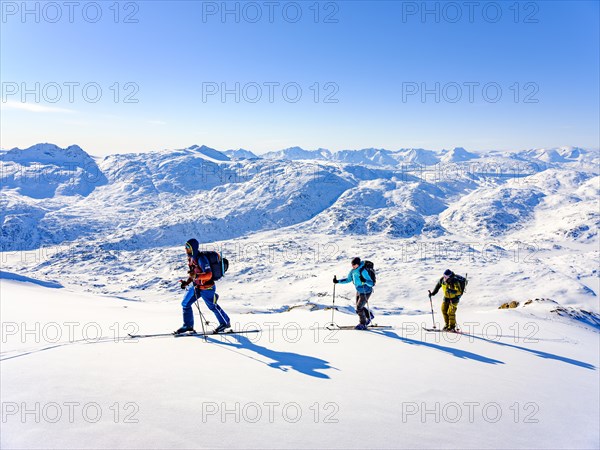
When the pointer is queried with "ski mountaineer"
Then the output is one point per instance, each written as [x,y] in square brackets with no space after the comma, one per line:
[203,285]
[364,288]
[452,292]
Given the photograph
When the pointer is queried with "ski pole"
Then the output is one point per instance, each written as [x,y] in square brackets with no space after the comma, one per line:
[201,316]
[432,316]
[367,298]
[331,325]
[466,278]
[333,308]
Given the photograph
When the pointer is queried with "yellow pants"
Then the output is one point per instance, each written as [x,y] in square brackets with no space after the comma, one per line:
[449,308]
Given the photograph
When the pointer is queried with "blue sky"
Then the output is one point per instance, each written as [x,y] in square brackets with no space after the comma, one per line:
[507,75]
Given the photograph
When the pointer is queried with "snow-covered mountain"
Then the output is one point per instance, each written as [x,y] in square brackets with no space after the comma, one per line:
[297,153]
[367,156]
[458,154]
[420,156]
[47,171]
[240,153]
[52,195]
[571,153]
[130,202]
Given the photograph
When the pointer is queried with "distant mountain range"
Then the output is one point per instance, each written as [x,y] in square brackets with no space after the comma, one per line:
[52,195]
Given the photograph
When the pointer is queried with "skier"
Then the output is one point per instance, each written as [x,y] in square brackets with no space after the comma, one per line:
[203,285]
[364,288]
[450,285]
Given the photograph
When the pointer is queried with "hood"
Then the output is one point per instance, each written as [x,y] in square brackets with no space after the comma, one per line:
[193,243]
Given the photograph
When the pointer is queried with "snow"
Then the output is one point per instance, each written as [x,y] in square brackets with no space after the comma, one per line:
[295,384]
[420,156]
[458,154]
[45,171]
[240,154]
[94,248]
[370,156]
[297,153]
[211,153]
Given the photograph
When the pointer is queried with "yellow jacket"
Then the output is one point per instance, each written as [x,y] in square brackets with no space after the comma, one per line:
[451,288]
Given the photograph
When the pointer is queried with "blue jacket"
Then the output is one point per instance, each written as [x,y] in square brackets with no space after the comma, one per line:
[354,277]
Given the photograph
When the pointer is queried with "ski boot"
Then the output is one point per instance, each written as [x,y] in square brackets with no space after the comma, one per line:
[184,329]
[221,328]
[370,318]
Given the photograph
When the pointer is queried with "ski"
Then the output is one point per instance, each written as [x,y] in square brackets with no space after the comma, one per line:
[136,336]
[208,333]
[442,331]
[229,332]
[212,333]
[352,327]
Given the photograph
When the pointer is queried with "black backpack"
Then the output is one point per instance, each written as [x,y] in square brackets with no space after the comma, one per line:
[462,282]
[370,268]
[218,265]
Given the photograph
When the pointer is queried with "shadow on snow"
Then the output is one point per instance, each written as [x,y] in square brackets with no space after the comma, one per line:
[539,353]
[307,365]
[469,355]
[453,351]
[22,278]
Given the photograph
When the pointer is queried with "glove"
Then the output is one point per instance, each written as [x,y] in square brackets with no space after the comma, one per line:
[429,293]
[335,280]
[184,284]
[362,279]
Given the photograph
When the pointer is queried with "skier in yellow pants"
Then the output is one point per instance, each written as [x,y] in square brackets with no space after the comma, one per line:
[452,289]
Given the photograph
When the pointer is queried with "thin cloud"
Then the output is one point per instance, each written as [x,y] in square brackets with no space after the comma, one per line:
[34,107]
[157,122]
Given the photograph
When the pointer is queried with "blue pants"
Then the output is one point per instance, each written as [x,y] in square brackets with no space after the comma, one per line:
[210,297]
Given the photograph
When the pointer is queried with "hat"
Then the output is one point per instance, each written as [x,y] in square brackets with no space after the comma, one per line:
[448,273]
[356,261]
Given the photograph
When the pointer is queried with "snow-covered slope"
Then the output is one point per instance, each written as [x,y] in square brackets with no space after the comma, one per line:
[492,212]
[75,380]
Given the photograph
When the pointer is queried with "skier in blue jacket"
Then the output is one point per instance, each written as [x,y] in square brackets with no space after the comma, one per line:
[364,288]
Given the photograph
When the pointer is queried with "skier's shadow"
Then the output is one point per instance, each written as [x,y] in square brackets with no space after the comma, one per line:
[307,365]
[539,353]
[452,350]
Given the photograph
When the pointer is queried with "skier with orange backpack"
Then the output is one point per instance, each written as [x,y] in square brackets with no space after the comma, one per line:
[203,286]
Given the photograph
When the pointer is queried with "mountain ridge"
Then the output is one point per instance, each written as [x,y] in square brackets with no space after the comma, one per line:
[52,195]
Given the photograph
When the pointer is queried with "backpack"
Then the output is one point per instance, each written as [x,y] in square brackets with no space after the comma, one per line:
[462,282]
[370,268]
[218,265]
